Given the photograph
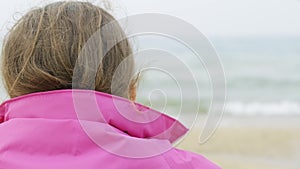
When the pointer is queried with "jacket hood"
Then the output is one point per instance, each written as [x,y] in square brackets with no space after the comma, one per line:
[87,129]
[125,116]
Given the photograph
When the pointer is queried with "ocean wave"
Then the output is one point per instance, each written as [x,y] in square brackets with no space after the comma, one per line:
[263,108]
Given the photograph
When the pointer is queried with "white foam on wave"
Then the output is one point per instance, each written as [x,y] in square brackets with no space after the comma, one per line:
[263,108]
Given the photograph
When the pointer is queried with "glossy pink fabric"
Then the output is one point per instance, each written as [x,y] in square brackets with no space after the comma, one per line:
[46,131]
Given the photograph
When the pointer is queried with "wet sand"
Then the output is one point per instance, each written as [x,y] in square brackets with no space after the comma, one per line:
[250,143]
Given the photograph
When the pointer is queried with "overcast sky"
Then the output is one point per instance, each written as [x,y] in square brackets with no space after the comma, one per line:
[212,17]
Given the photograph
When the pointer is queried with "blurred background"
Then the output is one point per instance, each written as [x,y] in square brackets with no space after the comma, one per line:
[258,43]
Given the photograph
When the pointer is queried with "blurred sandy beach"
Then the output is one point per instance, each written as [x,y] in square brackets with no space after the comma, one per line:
[258,142]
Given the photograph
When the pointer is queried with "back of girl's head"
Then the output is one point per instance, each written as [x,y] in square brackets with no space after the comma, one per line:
[41,50]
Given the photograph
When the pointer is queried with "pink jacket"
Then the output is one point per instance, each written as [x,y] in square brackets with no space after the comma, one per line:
[84,129]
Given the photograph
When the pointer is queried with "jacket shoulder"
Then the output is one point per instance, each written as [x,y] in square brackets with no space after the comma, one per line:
[180,159]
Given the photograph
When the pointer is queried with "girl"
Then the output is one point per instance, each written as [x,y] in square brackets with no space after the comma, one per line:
[42,125]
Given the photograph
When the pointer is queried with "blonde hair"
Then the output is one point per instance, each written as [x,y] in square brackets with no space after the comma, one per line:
[41,50]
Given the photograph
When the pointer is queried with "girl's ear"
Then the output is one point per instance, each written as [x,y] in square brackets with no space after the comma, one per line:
[132,91]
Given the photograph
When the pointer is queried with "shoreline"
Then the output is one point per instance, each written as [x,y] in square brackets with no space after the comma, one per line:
[250,142]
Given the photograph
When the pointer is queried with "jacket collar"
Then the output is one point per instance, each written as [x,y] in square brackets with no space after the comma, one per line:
[87,105]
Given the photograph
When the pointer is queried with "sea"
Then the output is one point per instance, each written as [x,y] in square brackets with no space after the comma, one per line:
[262,76]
